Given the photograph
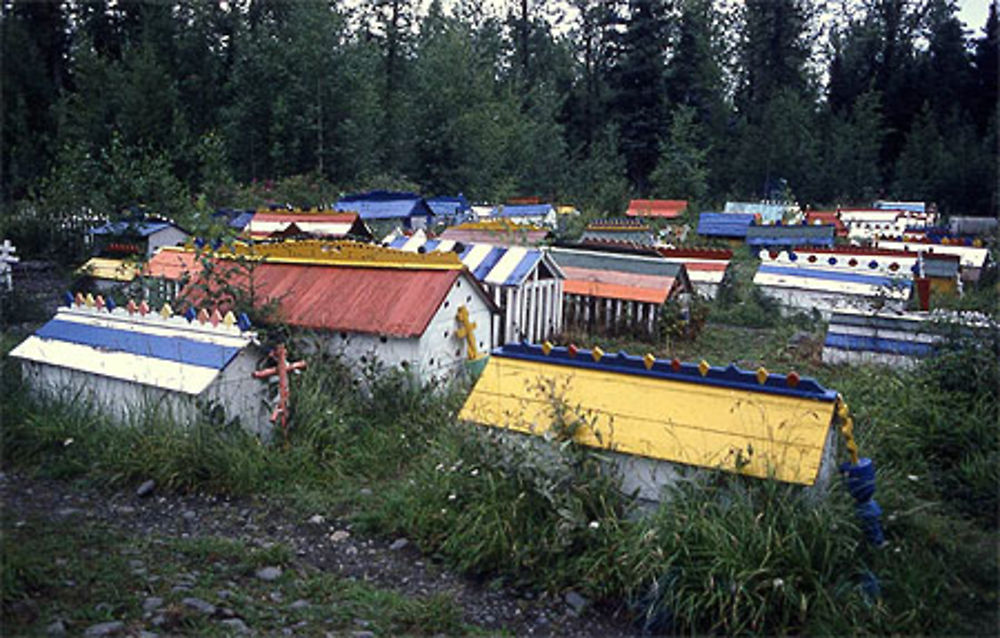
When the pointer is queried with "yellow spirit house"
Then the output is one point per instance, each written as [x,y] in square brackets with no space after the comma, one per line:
[660,419]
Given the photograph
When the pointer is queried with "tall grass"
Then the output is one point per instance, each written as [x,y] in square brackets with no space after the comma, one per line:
[723,555]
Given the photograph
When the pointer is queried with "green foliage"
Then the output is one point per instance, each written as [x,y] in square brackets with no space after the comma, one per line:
[682,171]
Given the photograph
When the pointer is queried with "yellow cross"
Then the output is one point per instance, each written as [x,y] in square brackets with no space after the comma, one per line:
[467,331]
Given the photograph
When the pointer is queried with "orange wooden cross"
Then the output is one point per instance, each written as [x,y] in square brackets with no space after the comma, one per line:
[281,368]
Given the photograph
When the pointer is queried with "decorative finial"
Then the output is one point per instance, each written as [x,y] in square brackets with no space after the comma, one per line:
[596,353]
[546,347]
[229,319]
[131,307]
[703,367]
[166,311]
[762,375]
[649,360]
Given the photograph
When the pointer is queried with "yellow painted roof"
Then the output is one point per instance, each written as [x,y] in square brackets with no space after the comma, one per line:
[339,253]
[761,434]
[111,269]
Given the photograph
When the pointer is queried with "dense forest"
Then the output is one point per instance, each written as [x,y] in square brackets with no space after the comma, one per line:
[190,103]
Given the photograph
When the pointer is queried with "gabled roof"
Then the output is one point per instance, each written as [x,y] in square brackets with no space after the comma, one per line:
[329,224]
[171,353]
[660,208]
[732,225]
[339,286]
[699,415]
[523,210]
[384,205]
[939,266]
[500,231]
[109,269]
[235,219]
[619,276]
[172,264]
[917,207]
[821,217]
[445,205]
[142,228]
[767,211]
[496,265]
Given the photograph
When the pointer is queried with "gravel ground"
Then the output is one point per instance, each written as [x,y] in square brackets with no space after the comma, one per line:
[328,545]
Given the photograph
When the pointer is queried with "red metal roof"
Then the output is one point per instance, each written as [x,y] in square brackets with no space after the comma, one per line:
[173,265]
[665,208]
[384,301]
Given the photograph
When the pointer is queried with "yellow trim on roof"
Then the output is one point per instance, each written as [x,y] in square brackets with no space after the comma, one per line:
[504,225]
[758,434]
[338,253]
[110,269]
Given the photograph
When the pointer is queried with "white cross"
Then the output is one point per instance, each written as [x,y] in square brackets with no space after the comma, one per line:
[7,258]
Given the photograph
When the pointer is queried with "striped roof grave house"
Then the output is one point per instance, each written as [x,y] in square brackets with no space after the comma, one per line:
[525,283]
[827,280]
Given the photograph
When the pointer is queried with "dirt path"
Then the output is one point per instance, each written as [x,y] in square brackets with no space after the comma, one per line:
[329,546]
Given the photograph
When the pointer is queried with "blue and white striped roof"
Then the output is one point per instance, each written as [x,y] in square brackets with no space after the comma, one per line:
[168,353]
[494,265]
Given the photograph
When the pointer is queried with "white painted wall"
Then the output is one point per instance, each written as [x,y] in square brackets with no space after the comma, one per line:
[437,354]
[169,236]
[235,390]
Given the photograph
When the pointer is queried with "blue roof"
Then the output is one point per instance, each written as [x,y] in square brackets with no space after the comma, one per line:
[913,207]
[141,228]
[236,219]
[167,348]
[724,224]
[790,236]
[384,205]
[444,205]
[523,210]
[878,344]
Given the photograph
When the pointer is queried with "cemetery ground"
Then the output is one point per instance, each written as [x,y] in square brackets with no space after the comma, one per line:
[385,515]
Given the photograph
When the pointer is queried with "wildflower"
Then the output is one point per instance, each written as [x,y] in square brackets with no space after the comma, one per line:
[594,525]
[913,477]
[474,472]
[444,511]
[68,442]
[439,467]
[452,497]
[777,583]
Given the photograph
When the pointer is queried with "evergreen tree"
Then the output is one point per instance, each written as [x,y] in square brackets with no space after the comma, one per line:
[639,102]
[682,172]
